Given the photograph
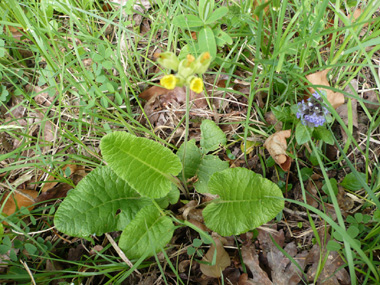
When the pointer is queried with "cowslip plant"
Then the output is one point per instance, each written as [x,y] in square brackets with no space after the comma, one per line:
[186,70]
[131,192]
[209,33]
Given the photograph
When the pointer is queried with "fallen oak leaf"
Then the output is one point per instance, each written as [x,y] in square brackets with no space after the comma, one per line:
[320,78]
[19,198]
[251,260]
[41,97]
[73,170]
[276,145]
[60,191]
[222,259]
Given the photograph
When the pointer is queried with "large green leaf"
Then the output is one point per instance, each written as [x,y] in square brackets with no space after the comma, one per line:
[208,166]
[145,164]
[206,40]
[146,234]
[192,158]
[247,200]
[216,15]
[102,202]
[187,21]
[211,136]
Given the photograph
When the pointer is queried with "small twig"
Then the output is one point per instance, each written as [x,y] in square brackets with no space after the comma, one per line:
[33,233]
[299,213]
[29,272]
[120,252]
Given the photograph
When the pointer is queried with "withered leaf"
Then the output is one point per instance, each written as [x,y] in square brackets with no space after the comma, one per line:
[165,108]
[332,272]
[283,271]
[74,169]
[251,260]
[222,259]
[42,98]
[276,145]
[320,78]
[19,198]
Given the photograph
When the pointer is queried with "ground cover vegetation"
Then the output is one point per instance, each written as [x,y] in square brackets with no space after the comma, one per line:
[190,142]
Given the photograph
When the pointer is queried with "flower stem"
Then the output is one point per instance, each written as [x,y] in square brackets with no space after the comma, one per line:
[187,119]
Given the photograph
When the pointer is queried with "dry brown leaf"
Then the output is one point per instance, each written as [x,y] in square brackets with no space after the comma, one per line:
[222,259]
[251,260]
[345,202]
[330,273]
[283,271]
[73,169]
[371,96]
[165,108]
[244,280]
[18,112]
[312,195]
[276,145]
[42,98]
[19,198]
[57,192]
[356,14]
[271,119]
[257,3]
[320,78]
[16,32]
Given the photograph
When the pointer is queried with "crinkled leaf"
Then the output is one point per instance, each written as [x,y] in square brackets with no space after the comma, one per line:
[102,202]
[211,136]
[187,21]
[208,166]
[145,164]
[146,234]
[193,157]
[247,200]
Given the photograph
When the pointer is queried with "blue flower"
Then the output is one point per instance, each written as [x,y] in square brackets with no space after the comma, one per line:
[312,113]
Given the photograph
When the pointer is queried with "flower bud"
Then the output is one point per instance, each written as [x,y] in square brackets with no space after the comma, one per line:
[202,63]
[186,67]
[169,81]
[168,60]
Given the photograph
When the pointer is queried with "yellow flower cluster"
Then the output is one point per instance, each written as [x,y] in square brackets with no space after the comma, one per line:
[186,70]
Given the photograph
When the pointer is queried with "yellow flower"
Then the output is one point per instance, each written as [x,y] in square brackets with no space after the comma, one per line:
[196,84]
[169,81]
